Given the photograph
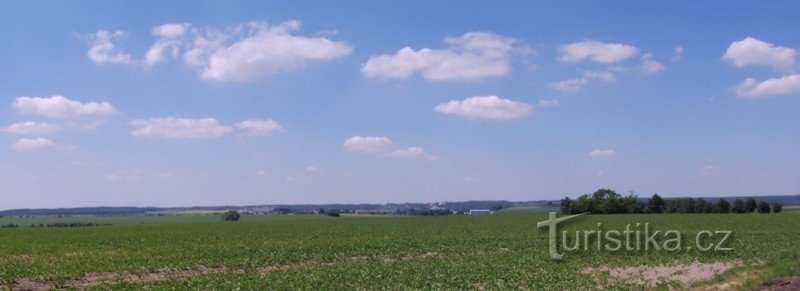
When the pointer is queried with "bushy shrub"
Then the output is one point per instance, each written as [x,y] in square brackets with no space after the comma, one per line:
[231,215]
[777,207]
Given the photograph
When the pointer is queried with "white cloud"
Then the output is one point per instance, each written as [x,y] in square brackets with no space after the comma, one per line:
[312,169]
[711,170]
[472,56]
[606,76]
[598,153]
[650,66]
[258,127]
[485,107]
[410,152]
[32,127]
[368,144]
[569,86]
[32,144]
[751,88]
[102,49]
[596,51]
[205,43]
[172,127]
[383,146]
[268,50]
[751,51]
[60,107]
[678,54]
[169,37]
[551,102]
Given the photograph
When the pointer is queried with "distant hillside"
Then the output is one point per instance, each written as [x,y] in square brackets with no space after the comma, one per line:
[460,205]
[463,205]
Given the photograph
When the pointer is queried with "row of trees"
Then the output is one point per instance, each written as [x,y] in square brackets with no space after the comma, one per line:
[606,201]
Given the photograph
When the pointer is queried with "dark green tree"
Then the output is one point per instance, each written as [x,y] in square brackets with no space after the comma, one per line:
[723,206]
[750,205]
[566,205]
[777,207]
[656,204]
[737,206]
[701,206]
[763,207]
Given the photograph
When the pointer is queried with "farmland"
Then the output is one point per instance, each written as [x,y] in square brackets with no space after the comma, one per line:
[499,251]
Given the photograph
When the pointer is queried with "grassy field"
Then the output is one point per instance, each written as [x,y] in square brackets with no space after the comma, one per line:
[499,251]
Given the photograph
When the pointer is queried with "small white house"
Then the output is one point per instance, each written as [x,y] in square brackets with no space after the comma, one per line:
[480,212]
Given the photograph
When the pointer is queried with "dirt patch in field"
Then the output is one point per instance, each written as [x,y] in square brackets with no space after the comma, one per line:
[108,278]
[784,283]
[651,276]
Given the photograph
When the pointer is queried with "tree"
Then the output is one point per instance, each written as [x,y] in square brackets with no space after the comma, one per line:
[777,207]
[701,206]
[231,215]
[763,207]
[750,205]
[723,206]
[631,204]
[566,205]
[656,204]
[738,206]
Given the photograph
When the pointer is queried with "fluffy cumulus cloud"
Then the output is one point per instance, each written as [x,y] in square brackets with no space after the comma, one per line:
[32,144]
[751,88]
[485,107]
[368,144]
[258,127]
[267,50]
[751,51]
[596,51]
[102,49]
[242,53]
[61,107]
[600,153]
[650,66]
[32,127]
[472,56]
[169,38]
[383,146]
[569,86]
[173,127]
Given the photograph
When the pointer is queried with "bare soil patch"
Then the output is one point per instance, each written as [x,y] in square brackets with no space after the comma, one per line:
[784,283]
[651,276]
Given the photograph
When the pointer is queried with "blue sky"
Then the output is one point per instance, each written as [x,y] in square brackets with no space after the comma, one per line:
[207,103]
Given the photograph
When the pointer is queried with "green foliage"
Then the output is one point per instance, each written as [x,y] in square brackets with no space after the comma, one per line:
[763,207]
[231,215]
[750,205]
[722,206]
[777,207]
[738,206]
[656,204]
[566,205]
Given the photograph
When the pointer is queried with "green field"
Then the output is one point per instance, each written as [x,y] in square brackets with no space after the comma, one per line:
[500,251]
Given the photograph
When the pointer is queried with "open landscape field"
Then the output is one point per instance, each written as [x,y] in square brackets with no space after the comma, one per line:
[500,251]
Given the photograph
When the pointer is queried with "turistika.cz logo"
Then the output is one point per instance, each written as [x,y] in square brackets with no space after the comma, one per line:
[635,237]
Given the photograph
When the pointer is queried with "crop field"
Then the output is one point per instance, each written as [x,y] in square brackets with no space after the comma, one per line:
[500,251]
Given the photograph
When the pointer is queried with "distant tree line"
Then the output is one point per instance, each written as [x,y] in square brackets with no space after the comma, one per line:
[606,201]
